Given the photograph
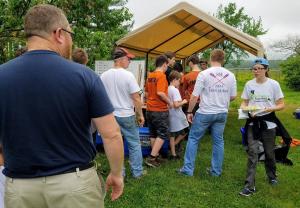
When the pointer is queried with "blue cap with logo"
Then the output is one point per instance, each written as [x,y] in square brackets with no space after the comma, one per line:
[261,61]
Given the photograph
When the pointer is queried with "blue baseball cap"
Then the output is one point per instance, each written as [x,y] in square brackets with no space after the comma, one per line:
[261,61]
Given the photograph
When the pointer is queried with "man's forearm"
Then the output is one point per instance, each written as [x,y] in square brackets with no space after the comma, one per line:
[109,129]
[137,104]
[138,108]
[114,152]
[192,103]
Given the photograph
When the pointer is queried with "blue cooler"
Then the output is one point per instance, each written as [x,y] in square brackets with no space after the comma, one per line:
[98,139]
[145,143]
[297,113]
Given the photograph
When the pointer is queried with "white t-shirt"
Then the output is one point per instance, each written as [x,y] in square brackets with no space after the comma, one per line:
[119,85]
[215,86]
[177,118]
[263,95]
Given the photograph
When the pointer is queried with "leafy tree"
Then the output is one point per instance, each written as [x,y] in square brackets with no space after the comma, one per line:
[290,45]
[237,18]
[290,67]
[11,29]
[96,23]
[291,71]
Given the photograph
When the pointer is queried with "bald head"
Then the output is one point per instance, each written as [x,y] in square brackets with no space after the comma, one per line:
[41,20]
[47,28]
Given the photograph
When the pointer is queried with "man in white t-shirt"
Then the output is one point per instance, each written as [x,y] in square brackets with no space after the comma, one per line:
[123,91]
[216,87]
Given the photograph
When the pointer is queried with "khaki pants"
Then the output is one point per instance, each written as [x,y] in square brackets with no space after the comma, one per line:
[78,189]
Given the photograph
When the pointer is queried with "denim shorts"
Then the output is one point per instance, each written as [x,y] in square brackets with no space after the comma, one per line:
[158,123]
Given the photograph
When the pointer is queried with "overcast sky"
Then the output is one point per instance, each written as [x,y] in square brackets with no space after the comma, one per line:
[280,17]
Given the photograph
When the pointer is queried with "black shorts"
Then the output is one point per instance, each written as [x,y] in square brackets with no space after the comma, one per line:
[158,123]
[181,132]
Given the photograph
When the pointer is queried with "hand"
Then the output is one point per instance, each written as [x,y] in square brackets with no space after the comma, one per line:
[244,109]
[171,105]
[184,101]
[269,110]
[140,120]
[189,117]
[116,183]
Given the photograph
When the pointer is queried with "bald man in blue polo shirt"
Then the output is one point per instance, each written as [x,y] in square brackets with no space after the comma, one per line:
[46,105]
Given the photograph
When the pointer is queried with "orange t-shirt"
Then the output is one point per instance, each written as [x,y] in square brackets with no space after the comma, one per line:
[156,82]
[188,84]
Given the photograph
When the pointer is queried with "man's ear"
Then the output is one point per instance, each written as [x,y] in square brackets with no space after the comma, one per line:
[58,37]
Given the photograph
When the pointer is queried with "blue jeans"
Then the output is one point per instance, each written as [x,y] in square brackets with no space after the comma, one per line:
[200,123]
[130,132]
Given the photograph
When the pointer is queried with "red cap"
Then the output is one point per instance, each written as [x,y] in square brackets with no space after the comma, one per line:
[121,52]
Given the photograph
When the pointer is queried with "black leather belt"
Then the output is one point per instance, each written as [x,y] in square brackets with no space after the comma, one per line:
[82,167]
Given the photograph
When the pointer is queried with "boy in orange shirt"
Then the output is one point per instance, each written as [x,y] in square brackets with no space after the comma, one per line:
[157,108]
[189,80]
[203,64]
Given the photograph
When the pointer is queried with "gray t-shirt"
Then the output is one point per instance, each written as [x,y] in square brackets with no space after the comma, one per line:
[177,118]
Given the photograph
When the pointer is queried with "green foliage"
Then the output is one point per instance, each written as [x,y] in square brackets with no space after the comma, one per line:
[98,24]
[237,18]
[11,27]
[291,71]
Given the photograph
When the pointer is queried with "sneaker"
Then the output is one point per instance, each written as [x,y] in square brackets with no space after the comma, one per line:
[142,175]
[247,191]
[210,173]
[152,162]
[273,182]
[160,159]
[181,172]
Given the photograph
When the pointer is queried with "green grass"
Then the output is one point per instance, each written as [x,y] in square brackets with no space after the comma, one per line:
[163,187]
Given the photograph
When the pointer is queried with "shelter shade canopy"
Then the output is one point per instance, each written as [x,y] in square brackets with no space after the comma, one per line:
[185,30]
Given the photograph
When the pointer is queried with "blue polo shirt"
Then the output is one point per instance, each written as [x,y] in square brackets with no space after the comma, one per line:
[46,106]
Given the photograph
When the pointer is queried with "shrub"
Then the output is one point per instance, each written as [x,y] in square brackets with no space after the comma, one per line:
[291,71]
